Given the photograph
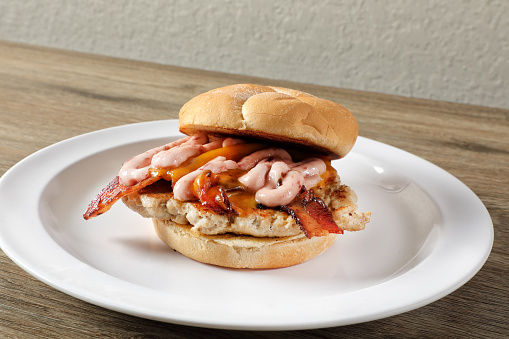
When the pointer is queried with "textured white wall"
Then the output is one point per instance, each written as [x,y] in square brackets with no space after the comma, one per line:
[446,50]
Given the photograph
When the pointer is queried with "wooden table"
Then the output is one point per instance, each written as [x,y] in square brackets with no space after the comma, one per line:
[49,95]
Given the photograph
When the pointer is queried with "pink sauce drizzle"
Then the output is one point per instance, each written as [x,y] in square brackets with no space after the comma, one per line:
[278,182]
[272,175]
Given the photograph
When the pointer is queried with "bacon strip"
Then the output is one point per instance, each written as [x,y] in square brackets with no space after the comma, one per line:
[309,212]
[312,215]
[111,193]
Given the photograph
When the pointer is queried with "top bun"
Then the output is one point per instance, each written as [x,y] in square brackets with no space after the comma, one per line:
[274,113]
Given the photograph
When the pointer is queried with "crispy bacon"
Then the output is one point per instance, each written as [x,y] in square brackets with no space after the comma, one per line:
[111,193]
[312,215]
[308,211]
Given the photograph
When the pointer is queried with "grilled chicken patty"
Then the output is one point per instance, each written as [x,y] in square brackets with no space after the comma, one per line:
[156,201]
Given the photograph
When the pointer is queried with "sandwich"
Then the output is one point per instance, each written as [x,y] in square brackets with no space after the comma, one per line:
[251,184]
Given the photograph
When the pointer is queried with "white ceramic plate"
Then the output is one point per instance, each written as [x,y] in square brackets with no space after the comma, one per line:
[429,234]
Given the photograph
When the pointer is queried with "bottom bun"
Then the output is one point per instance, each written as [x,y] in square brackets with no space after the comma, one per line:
[237,251]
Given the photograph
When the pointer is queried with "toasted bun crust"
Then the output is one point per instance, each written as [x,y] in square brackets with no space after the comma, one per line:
[241,251]
[273,113]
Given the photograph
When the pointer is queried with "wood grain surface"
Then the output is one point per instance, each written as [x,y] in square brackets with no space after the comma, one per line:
[49,95]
